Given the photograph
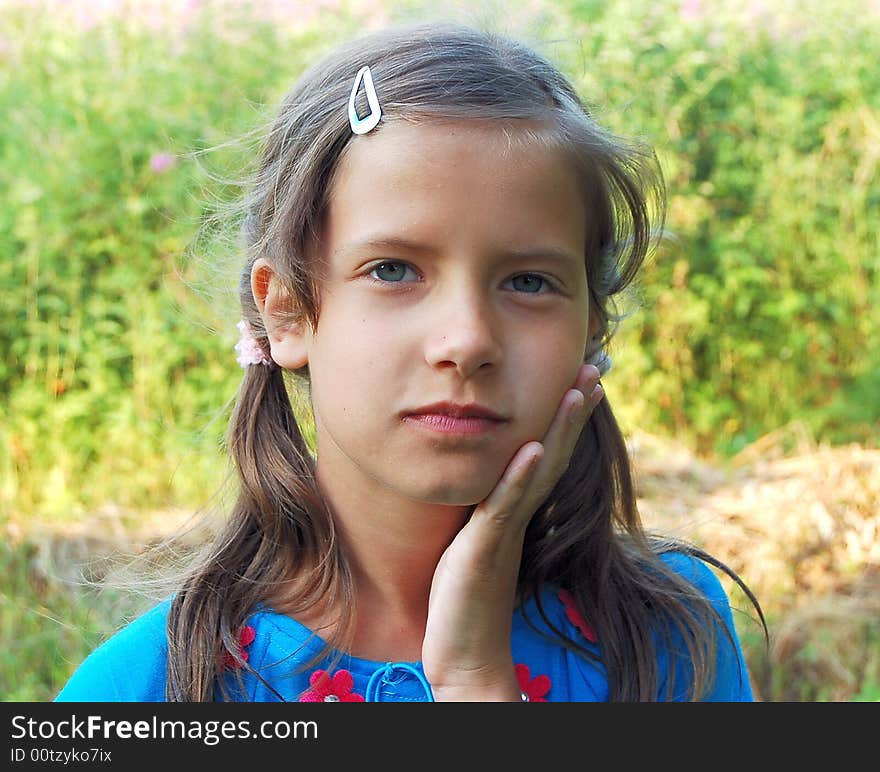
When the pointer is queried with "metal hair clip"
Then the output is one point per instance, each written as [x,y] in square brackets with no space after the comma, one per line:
[368,123]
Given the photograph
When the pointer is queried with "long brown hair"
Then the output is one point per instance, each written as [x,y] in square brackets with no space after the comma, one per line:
[587,536]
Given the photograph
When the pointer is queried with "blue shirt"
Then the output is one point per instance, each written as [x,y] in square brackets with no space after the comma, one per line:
[131,665]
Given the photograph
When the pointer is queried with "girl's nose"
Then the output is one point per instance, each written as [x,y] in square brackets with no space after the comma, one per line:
[463,335]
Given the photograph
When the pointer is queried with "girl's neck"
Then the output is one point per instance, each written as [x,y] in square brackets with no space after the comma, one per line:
[392,546]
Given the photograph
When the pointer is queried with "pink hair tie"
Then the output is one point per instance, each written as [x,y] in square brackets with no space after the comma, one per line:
[250,352]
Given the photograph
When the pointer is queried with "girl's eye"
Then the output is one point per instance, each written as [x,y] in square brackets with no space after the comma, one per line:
[394,271]
[530,283]
[389,271]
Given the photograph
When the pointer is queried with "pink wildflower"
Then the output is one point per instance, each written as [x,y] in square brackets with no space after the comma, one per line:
[691,9]
[161,162]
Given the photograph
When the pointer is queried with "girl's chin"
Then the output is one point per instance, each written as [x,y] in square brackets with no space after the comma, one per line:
[451,496]
[472,485]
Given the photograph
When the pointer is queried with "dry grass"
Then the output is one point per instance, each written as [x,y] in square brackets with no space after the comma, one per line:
[801,525]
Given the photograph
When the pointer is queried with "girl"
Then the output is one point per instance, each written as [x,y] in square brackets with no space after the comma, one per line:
[435,238]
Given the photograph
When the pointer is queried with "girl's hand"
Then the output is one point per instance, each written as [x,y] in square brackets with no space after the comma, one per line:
[466,652]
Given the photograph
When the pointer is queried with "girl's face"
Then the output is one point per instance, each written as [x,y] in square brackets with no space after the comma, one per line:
[454,272]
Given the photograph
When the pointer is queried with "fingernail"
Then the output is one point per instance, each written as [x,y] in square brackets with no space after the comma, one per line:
[597,394]
[533,460]
[592,372]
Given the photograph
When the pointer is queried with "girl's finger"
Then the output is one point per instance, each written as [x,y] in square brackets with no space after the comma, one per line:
[515,481]
[537,467]
[559,443]
[575,408]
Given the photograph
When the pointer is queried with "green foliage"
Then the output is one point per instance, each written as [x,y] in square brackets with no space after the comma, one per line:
[764,305]
[112,380]
[761,310]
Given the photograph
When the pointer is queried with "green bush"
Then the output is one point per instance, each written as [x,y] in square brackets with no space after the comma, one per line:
[763,307]
[113,376]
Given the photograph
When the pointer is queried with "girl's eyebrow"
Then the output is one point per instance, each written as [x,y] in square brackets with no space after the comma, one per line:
[398,244]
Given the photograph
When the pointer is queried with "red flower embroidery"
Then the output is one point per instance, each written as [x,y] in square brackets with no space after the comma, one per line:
[245,638]
[574,616]
[335,688]
[533,688]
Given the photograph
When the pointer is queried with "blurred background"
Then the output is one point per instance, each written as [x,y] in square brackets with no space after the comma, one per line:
[747,377]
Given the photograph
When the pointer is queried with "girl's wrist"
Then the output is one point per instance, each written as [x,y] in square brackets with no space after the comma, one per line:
[503,690]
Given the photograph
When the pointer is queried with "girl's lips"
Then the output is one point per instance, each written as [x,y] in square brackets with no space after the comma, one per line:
[447,424]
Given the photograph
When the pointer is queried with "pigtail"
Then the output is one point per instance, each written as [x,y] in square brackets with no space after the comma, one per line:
[278,529]
[588,539]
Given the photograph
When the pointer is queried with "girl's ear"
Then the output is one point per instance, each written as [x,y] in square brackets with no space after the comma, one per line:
[289,341]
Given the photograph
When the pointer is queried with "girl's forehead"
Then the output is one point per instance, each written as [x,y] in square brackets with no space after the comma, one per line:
[431,155]
[499,181]
[399,138]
